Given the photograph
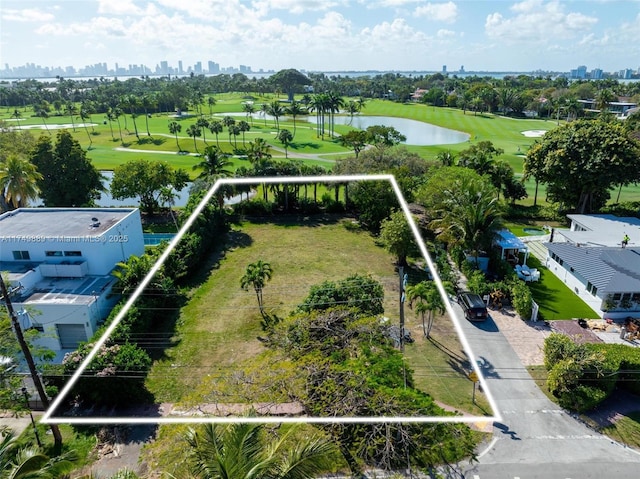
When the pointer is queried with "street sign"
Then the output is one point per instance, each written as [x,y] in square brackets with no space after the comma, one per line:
[473,376]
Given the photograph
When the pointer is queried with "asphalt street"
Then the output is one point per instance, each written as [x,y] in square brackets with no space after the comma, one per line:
[535,438]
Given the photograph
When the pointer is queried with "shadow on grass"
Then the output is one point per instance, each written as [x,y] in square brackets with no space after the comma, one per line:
[297,220]
[307,144]
[150,140]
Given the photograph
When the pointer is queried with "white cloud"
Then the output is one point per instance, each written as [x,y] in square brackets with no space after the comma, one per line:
[26,15]
[440,12]
[537,22]
[119,7]
[297,6]
[443,33]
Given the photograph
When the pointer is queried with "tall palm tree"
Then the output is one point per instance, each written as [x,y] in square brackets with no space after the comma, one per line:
[16,115]
[174,129]
[243,126]
[249,109]
[211,102]
[216,127]
[256,275]
[245,451]
[194,131]
[117,113]
[285,138]
[85,116]
[204,124]
[425,299]
[295,109]
[42,111]
[334,104]
[228,121]
[71,110]
[131,101]
[18,181]
[149,100]
[276,111]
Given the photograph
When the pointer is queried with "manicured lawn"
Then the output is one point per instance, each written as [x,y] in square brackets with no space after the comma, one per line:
[625,430]
[555,299]
[218,328]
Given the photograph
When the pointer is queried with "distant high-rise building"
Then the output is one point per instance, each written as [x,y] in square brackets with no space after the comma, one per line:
[197,68]
[579,73]
[444,68]
[164,67]
[596,74]
[214,68]
[245,69]
[461,68]
[626,73]
[180,70]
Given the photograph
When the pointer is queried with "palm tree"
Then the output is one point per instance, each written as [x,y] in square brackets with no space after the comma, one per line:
[469,213]
[174,129]
[427,300]
[204,124]
[18,462]
[110,118]
[42,111]
[256,275]
[285,138]
[243,126]
[604,99]
[249,109]
[264,109]
[214,164]
[71,110]
[319,104]
[216,127]
[228,121]
[117,112]
[85,116]
[334,103]
[16,115]
[245,451]
[353,107]
[211,102]
[194,131]
[295,109]
[149,100]
[18,181]
[131,101]
[276,111]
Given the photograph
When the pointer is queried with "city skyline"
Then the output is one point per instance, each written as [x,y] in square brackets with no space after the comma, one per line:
[324,35]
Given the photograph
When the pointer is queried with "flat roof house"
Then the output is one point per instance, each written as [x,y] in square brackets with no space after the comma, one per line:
[59,262]
[592,260]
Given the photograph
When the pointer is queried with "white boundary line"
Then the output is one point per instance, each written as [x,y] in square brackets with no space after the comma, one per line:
[47,418]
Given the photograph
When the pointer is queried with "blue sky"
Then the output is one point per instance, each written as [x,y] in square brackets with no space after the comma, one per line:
[325,35]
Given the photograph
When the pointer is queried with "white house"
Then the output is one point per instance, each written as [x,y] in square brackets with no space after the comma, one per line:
[59,262]
[589,258]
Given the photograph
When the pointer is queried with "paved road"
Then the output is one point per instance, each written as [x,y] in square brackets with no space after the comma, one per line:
[536,439]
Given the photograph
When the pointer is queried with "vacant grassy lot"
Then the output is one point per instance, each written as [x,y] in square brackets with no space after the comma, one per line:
[218,328]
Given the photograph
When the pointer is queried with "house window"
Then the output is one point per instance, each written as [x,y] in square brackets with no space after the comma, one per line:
[617,296]
[53,253]
[73,253]
[18,255]
[591,288]
[635,297]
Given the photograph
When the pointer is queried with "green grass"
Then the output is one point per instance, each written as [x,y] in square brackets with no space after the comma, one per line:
[218,327]
[555,299]
[625,430]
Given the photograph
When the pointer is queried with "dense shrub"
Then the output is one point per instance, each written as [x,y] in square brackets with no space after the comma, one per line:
[115,376]
[521,299]
[477,283]
[557,347]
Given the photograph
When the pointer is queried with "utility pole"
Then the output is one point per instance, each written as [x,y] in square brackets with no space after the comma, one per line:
[55,430]
[403,284]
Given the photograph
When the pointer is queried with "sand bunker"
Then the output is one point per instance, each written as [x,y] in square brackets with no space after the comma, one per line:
[534,133]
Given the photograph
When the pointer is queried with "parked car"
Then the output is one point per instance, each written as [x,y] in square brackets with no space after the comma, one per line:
[473,306]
